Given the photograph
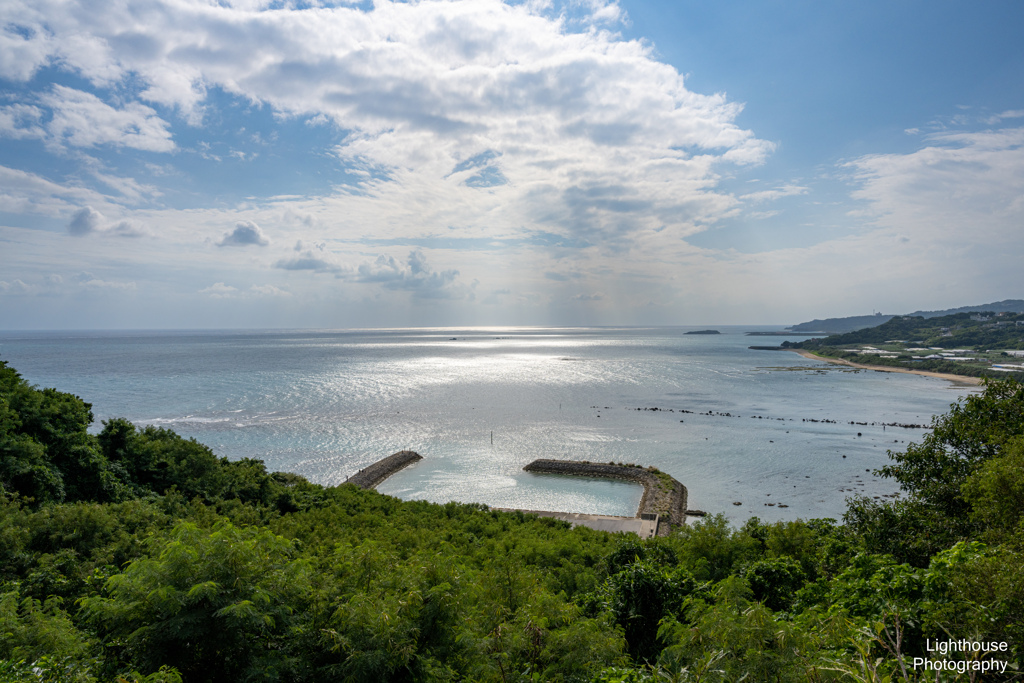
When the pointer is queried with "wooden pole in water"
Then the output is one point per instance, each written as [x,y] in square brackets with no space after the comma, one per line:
[492,438]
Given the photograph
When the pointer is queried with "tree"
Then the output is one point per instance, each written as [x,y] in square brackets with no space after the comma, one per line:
[640,596]
[214,604]
[996,491]
[974,431]
[774,581]
[46,452]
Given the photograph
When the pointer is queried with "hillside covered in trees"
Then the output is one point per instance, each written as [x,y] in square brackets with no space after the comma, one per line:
[857,322]
[922,343]
[133,554]
[975,330]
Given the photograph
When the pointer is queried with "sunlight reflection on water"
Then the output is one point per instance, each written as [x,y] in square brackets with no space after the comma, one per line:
[325,404]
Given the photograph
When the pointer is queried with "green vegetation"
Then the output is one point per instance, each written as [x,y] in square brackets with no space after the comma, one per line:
[136,555]
[849,324]
[982,341]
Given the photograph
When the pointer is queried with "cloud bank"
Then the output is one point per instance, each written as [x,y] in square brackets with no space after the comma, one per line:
[546,113]
[520,151]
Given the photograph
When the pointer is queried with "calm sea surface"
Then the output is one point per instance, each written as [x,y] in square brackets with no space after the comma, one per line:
[326,403]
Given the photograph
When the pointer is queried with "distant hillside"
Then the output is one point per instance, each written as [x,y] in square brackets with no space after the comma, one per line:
[1004,306]
[984,344]
[859,322]
[840,325]
[958,330]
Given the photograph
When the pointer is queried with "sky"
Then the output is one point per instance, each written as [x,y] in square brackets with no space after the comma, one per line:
[316,164]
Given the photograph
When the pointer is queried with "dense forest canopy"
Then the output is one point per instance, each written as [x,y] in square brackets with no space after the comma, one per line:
[137,555]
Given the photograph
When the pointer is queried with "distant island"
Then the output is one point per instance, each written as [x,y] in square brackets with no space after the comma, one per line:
[859,322]
[704,332]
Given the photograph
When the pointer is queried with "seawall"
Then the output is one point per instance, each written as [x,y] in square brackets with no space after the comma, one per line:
[663,495]
[371,476]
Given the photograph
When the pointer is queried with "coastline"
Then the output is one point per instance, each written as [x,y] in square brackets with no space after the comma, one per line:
[957,379]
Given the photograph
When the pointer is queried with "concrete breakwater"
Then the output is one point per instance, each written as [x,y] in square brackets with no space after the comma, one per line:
[663,495]
[644,527]
[371,477]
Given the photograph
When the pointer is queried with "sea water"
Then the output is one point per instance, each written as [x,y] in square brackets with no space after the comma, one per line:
[764,429]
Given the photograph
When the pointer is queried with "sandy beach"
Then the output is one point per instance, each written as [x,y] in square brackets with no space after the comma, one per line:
[958,379]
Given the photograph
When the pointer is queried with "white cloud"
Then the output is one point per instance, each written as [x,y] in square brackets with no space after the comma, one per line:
[219,290]
[310,260]
[81,119]
[85,221]
[962,189]
[87,280]
[301,220]
[21,121]
[414,276]
[96,283]
[777,193]
[268,290]
[939,225]
[89,221]
[246,233]
[1002,116]
[591,137]
[606,11]
[23,52]
[29,193]
[302,246]
[128,188]
[127,229]
[16,287]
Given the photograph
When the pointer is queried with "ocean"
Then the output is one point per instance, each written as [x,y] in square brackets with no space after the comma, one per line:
[769,430]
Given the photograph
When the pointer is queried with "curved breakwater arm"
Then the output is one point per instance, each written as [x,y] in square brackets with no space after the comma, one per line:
[663,495]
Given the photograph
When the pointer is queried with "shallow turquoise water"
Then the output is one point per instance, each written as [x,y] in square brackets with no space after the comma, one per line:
[326,403]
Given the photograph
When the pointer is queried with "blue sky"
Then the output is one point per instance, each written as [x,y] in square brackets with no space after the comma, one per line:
[244,163]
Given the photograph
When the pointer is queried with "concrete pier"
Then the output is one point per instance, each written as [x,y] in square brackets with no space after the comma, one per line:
[371,477]
[664,498]
[644,527]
